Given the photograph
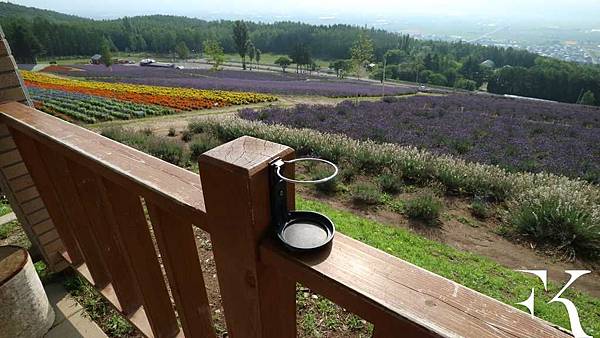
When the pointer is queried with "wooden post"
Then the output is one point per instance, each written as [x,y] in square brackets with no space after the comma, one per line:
[258,301]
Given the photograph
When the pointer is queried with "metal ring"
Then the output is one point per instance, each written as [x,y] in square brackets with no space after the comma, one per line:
[323,180]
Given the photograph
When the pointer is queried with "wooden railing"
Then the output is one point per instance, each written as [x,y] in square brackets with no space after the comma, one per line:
[101,194]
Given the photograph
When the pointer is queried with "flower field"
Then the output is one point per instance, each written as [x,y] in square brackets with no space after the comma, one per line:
[90,109]
[253,81]
[518,135]
[177,98]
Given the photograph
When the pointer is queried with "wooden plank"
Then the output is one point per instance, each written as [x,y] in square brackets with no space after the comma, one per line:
[174,188]
[254,307]
[43,227]
[4,47]
[375,285]
[48,237]
[12,94]
[56,167]
[9,80]
[137,319]
[9,158]
[27,194]
[21,183]
[7,143]
[14,171]
[104,231]
[44,183]
[38,216]
[176,241]
[7,62]
[135,235]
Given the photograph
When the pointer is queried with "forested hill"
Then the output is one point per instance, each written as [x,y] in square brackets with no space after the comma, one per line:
[34,32]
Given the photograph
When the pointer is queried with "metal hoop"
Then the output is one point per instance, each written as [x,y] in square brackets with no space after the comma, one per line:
[323,180]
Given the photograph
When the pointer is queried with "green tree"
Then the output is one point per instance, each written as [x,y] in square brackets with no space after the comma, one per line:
[213,49]
[463,83]
[182,50]
[361,53]
[257,57]
[341,67]
[251,51]
[240,38]
[25,46]
[283,62]
[438,79]
[106,54]
[588,98]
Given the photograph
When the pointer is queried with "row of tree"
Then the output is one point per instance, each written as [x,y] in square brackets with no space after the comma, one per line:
[353,50]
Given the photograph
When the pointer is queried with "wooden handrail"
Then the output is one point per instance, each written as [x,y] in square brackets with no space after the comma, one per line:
[172,187]
[100,195]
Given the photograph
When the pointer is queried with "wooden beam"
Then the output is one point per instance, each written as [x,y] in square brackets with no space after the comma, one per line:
[51,200]
[258,301]
[9,80]
[173,188]
[135,234]
[177,244]
[397,296]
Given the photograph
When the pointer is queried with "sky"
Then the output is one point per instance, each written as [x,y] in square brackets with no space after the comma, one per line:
[333,10]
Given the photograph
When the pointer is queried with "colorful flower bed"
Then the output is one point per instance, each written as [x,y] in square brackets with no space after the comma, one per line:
[253,81]
[178,98]
[518,135]
[90,109]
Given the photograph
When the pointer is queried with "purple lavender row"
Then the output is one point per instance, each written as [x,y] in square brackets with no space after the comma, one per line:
[515,134]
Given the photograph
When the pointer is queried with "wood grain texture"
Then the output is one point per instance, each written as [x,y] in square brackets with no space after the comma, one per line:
[135,235]
[177,190]
[65,187]
[8,80]
[253,306]
[374,284]
[49,195]
[105,231]
[179,253]
[4,48]
[7,63]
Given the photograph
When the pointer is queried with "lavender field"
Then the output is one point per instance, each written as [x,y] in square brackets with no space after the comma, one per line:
[518,135]
[252,81]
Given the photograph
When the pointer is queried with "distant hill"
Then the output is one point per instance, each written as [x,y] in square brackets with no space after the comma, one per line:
[8,9]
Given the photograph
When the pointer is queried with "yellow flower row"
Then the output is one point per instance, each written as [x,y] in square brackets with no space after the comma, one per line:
[186,93]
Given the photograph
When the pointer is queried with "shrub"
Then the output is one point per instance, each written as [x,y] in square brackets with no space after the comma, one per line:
[202,143]
[366,193]
[425,207]
[390,99]
[196,127]
[171,131]
[186,135]
[552,216]
[166,150]
[390,183]
[480,208]
[329,187]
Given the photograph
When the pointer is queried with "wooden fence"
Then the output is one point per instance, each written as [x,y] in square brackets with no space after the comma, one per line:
[108,203]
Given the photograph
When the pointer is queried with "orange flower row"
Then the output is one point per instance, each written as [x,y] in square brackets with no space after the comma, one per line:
[162,100]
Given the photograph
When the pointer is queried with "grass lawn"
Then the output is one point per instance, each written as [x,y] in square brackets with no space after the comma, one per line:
[5,208]
[475,272]
[268,59]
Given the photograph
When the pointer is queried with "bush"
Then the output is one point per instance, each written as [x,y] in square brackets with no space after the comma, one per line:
[202,143]
[552,216]
[166,150]
[196,127]
[480,209]
[390,99]
[186,135]
[329,187]
[366,193]
[390,183]
[171,131]
[425,207]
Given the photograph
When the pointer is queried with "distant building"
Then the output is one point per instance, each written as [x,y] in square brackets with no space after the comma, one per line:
[96,59]
[489,63]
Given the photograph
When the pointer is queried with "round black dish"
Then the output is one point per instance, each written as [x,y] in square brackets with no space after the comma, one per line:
[306,230]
